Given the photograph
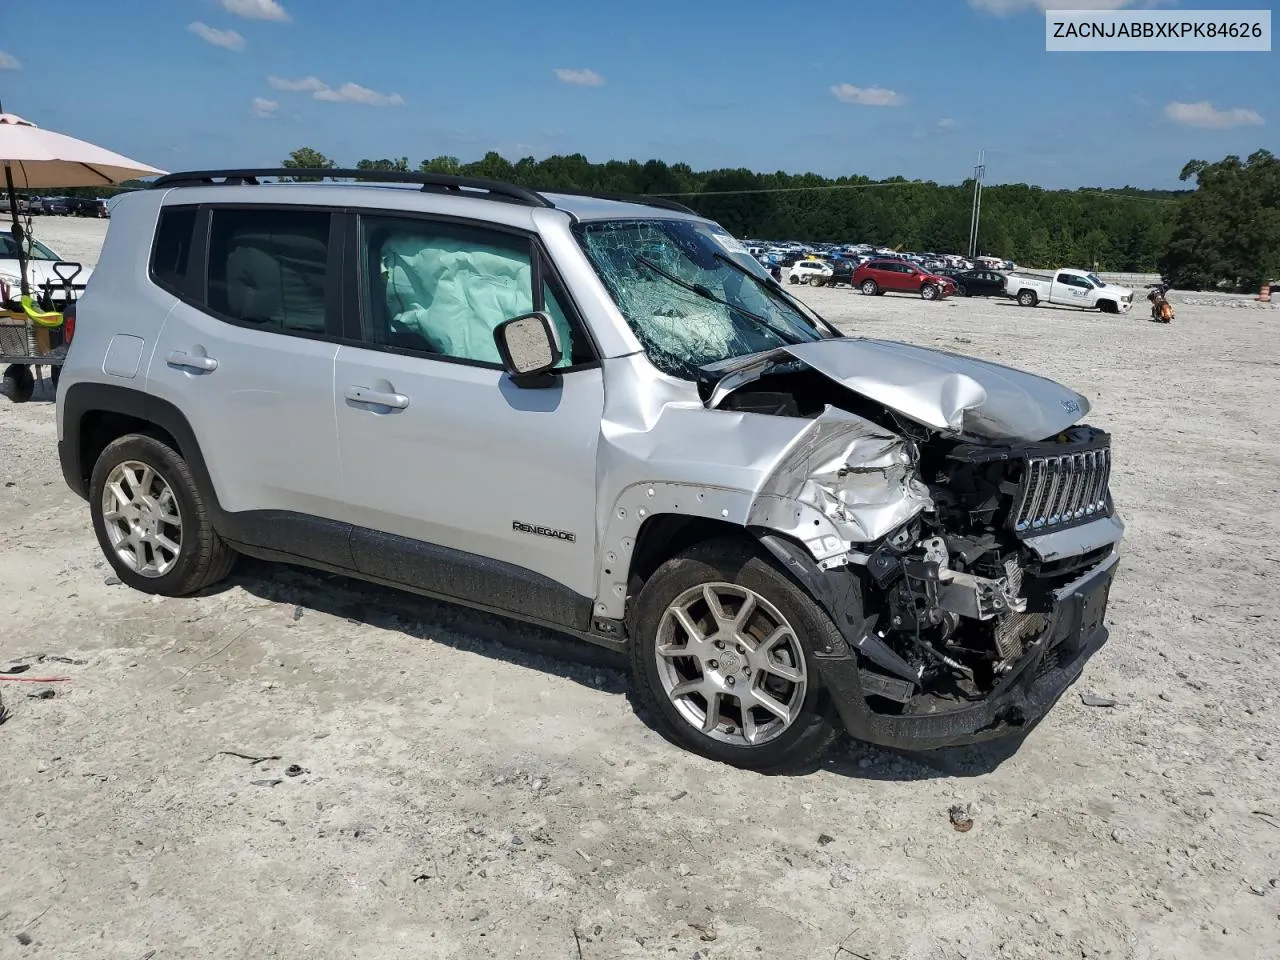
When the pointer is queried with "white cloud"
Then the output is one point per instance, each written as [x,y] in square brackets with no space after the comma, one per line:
[310,84]
[227,39]
[256,10]
[868,96]
[580,78]
[9,62]
[1206,116]
[263,109]
[354,93]
[946,123]
[347,93]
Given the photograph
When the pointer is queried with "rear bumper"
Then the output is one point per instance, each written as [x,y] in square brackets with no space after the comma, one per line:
[1075,632]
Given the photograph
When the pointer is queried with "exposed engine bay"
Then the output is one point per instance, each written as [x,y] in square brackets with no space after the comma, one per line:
[953,595]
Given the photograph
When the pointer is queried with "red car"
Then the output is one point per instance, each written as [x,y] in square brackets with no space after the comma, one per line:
[901,276]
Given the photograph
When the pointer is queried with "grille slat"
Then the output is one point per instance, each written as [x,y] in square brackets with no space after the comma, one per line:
[1060,490]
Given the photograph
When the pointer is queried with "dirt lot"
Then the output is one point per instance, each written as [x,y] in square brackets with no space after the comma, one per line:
[461,795]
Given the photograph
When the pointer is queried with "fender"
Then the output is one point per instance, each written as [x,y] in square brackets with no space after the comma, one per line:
[81,399]
[272,534]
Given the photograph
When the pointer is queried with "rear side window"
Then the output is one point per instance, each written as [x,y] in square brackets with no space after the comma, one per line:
[171,251]
[270,268]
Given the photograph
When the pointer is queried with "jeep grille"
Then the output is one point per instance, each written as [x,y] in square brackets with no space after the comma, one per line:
[1059,491]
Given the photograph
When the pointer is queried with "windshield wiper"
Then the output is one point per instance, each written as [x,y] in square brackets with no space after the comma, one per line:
[774,287]
[706,294]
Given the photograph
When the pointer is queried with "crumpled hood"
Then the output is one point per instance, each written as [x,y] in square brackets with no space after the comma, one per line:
[959,396]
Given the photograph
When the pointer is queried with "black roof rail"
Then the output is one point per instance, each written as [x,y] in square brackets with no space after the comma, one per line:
[464,186]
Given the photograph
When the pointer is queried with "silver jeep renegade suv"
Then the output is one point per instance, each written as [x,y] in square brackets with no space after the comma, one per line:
[597,415]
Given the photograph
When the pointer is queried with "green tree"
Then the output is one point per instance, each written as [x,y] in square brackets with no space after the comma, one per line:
[1227,233]
[447,165]
[307,158]
[394,166]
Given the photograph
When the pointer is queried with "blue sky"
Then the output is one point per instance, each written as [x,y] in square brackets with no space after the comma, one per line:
[837,87]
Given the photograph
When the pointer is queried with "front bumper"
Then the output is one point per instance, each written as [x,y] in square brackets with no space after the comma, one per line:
[1050,665]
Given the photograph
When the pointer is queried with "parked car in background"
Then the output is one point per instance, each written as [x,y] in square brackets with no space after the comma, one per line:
[57,206]
[841,275]
[806,271]
[89,207]
[977,283]
[35,205]
[877,277]
[40,272]
[1070,288]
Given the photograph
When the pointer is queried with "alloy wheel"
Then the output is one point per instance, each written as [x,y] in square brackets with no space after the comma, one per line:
[731,664]
[142,520]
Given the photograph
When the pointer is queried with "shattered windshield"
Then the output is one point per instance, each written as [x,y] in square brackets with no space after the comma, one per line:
[691,294]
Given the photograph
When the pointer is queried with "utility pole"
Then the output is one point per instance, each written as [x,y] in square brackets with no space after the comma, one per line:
[979,172]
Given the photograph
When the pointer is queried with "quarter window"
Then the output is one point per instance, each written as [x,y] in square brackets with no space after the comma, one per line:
[171,252]
[440,288]
[270,268]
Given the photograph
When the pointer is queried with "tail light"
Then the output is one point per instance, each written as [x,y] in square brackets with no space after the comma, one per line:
[68,323]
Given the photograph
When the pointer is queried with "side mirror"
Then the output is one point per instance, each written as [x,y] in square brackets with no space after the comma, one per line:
[528,346]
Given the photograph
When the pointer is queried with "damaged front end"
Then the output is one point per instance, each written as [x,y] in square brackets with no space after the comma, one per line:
[968,574]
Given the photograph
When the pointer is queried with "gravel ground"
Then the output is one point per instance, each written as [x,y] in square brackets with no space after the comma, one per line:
[436,786]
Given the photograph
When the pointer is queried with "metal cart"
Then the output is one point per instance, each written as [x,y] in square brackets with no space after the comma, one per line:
[33,335]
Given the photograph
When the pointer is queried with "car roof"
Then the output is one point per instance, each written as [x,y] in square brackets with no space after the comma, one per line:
[603,208]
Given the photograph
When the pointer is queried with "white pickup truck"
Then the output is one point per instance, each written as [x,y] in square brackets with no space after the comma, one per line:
[1071,288]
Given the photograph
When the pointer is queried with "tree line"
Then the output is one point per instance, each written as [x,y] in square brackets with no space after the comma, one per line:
[1225,233]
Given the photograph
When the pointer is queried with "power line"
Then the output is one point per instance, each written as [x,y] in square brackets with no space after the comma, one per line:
[898,183]
[825,186]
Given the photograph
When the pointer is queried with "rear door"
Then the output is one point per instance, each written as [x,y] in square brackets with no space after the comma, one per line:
[247,354]
[460,482]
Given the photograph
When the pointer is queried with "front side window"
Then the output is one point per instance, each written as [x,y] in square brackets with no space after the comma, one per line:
[688,294]
[443,288]
[270,268]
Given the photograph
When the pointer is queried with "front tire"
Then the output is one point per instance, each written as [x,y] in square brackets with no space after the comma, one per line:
[929,292]
[151,520]
[721,653]
[870,288]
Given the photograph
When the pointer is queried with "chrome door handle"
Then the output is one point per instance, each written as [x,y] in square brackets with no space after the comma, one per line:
[377,398]
[179,358]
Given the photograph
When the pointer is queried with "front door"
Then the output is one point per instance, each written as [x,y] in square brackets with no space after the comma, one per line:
[460,482]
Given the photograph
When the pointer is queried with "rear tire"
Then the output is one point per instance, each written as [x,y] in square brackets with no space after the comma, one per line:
[870,288]
[732,571]
[961,290]
[793,279]
[201,558]
[1027,298]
